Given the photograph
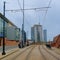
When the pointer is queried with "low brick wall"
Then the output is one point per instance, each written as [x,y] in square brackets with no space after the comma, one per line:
[8,42]
[11,42]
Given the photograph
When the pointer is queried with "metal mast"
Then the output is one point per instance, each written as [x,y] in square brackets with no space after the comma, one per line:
[23,25]
[3,53]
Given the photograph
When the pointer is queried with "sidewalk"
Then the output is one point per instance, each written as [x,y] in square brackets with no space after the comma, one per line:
[9,52]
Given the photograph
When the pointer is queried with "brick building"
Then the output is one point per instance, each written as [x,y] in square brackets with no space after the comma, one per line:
[56,41]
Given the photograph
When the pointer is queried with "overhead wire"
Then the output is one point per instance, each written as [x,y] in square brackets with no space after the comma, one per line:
[44,18]
[21,8]
[28,24]
[36,16]
[20,5]
[24,9]
[34,9]
[47,8]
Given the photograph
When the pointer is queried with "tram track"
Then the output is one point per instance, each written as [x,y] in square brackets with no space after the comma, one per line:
[15,56]
[46,49]
[44,58]
[27,57]
[55,51]
[22,52]
[34,54]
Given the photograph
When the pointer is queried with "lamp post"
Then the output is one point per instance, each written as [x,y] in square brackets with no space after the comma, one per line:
[3,53]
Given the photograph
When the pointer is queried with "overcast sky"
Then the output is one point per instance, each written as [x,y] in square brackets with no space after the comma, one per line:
[51,21]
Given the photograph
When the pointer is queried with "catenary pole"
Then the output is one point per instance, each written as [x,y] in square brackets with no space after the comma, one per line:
[23,25]
[3,53]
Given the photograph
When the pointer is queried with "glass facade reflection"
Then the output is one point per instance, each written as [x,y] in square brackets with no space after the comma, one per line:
[1,27]
[11,31]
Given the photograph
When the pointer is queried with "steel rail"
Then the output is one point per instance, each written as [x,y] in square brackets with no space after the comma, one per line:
[27,57]
[51,53]
[42,53]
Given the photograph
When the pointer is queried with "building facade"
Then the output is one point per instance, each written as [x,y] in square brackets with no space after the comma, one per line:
[32,34]
[37,33]
[45,35]
[56,41]
[12,32]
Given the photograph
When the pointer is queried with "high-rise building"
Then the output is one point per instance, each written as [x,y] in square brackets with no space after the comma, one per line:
[37,33]
[45,35]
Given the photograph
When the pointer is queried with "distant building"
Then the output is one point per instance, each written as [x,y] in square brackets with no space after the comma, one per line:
[21,38]
[24,37]
[32,34]
[45,35]
[37,33]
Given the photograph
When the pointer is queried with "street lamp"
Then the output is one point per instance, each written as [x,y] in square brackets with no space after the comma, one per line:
[3,53]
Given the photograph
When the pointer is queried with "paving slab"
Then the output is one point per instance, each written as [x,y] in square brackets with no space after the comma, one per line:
[9,52]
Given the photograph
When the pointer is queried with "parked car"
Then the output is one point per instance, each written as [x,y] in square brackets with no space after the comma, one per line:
[47,45]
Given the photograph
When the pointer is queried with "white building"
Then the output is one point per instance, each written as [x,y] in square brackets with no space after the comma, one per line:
[37,33]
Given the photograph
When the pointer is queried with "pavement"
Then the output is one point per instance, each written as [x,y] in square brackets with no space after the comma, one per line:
[7,48]
[9,52]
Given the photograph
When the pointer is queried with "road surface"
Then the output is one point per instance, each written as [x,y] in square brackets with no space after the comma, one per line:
[34,52]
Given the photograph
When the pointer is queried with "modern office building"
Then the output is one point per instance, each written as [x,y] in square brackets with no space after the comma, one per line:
[32,34]
[45,35]
[21,38]
[12,32]
[37,33]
